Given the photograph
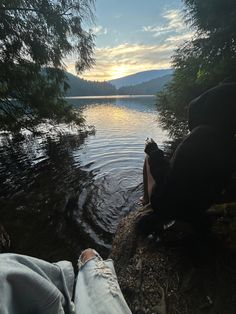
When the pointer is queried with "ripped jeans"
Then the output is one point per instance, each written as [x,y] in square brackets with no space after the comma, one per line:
[97,288]
[31,285]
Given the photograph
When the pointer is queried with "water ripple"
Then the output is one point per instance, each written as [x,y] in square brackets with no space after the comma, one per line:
[115,157]
[78,190]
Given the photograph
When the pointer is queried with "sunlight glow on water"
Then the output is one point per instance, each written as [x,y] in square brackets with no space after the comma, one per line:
[115,156]
[72,188]
[119,140]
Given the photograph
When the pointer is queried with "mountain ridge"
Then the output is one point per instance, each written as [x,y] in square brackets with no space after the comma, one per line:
[139,77]
[147,88]
[81,87]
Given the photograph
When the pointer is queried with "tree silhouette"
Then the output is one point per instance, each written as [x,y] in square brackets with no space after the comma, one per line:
[35,36]
[202,62]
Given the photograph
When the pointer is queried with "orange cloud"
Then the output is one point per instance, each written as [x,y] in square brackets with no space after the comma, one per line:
[125,59]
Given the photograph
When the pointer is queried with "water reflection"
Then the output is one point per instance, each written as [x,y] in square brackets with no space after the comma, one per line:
[39,190]
[115,157]
[59,195]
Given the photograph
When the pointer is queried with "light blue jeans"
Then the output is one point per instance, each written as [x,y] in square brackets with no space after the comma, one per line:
[31,285]
[97,289]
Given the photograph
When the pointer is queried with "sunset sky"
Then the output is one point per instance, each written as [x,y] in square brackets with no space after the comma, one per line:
[134,36]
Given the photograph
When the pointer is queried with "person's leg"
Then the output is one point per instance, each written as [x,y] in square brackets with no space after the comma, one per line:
[97,289]
[148,183]
[198,170]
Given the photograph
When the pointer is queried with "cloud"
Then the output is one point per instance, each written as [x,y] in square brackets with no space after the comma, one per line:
[177,39]
[174,23]
[174,29]
[175,20]
[125,59]
[99,30]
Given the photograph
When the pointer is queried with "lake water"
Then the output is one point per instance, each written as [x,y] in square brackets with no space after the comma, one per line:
[65,193]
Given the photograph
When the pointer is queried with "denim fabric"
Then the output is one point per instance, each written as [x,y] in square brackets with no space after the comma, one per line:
[97,289]
[33,286]
[30,285]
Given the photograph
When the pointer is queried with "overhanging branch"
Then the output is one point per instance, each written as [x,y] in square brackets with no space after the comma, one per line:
[19,9]
[35,10]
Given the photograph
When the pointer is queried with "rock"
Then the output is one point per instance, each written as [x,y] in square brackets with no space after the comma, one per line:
[144,277]
[183,276]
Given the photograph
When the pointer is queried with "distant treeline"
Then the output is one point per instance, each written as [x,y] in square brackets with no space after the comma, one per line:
[147,88]
[80,87]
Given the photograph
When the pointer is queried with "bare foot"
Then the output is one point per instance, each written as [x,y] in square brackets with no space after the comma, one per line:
[87,255]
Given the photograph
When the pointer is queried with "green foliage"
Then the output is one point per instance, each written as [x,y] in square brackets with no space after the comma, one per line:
[204,61]
[35,36]
[81,87]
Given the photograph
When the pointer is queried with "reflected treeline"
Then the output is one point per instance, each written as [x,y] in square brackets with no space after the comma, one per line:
[39,196]
[133,103]
[61,194]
